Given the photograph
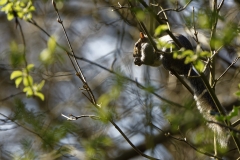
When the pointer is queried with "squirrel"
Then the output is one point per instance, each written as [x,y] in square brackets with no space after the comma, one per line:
[144,53]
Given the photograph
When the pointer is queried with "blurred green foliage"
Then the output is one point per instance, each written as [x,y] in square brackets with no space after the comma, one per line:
[160,29]
[36,124]
[47,55]
[17,8]
[96,147]
[16,54]
[30,88]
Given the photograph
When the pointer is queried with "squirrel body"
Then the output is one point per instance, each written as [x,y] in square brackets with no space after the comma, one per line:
[145,54]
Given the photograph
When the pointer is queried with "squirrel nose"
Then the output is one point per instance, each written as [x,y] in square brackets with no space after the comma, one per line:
[137,61]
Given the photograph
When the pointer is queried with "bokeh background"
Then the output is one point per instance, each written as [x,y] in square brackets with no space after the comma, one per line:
[136,98]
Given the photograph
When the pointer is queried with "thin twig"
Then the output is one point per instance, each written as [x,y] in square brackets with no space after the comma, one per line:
[89,91]
[194,27]
[79,72]
[24,49]
[158,51]
[235,61]
[29,130]
[178,44]
[220,5]
[236,123]
[165,16]
[109,70]
[133,146]
[13,95]
[177,9]
[185,141]
[74,118]
[119,7]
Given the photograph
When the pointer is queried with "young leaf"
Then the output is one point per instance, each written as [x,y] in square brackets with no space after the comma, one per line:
[2,2]
[18,81]
[28,81]
[30,67]
[160,29]
[52,44]
[28,91]
[15,74]
[40,95]
[40,85]
[199,65]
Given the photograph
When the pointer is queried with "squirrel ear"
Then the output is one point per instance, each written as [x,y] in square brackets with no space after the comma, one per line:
[141,35]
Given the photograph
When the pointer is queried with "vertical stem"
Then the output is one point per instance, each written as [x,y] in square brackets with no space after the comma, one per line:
[215,144]
[214,22]
[212,61]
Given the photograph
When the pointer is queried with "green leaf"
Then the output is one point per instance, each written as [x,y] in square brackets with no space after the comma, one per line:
[204,21]
[18,81]
[2,2]
[30,67]
[28,91]
[160,29]
[150,89]
[140,15]
[28,81]
[187,53]
[233,113]
[22,8]
[104,100]
[205,54]
[15,74]
[45,56]
[7,8]
[199,65]
[40,85]
[237,93]
[10,16]
[52,44]
[40,95]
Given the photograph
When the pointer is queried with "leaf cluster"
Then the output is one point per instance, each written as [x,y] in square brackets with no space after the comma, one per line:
[17,8]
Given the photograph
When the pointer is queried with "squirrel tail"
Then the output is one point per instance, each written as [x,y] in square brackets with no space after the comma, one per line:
[207,107]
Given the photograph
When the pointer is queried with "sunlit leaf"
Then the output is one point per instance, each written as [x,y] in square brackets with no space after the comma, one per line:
[30,67]
[10,16]
[28,81]
[104,100]
[18,81]
[40,95]
[205,54]
[40,85]
[28,91]
[160,29]
[233,113]
[46,56]
[199,65]
[15,74]
[2,2]
[51,44]
[188,53]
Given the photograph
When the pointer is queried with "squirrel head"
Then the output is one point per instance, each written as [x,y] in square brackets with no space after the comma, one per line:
[144,53]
